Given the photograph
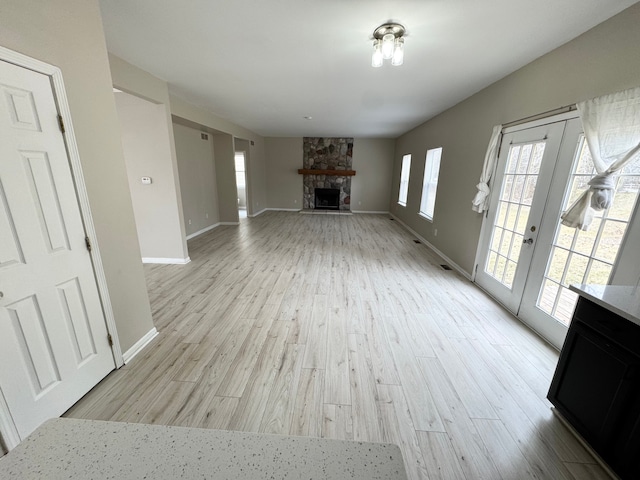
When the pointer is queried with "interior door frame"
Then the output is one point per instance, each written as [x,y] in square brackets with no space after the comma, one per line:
[244,145]
[8,432]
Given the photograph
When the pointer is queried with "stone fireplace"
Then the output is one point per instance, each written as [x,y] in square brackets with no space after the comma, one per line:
[327,164]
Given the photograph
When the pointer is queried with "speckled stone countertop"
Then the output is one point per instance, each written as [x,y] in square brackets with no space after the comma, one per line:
[620,299]
[88,449]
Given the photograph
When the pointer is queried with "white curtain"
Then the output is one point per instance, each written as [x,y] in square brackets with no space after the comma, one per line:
[612,129]
[481,201]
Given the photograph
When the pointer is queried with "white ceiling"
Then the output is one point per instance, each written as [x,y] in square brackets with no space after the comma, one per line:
[266,64]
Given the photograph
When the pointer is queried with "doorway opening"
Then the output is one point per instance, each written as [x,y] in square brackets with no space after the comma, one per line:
[241,183]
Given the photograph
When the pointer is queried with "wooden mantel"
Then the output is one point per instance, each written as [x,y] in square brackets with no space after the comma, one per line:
[336,173]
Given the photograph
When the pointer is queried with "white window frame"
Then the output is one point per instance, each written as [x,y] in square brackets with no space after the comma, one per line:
[405,172]
[430,182]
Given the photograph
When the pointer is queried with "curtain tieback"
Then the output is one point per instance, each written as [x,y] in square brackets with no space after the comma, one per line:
[602,187]
[482,194]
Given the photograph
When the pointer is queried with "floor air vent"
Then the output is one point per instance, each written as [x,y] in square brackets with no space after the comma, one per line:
[416,241]
[445,267]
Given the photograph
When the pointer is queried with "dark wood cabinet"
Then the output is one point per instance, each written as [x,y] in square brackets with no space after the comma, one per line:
[596,386]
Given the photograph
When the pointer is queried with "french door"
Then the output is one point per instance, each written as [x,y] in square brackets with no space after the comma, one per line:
[521,185]
[527,259]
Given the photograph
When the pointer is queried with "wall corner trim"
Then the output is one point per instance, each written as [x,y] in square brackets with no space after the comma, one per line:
[139,345]
[453,264]
[176,261]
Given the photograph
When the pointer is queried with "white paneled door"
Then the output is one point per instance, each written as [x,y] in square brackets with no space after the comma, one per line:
[53,338]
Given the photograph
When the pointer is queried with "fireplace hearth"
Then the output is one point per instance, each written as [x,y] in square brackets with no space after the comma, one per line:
[327,199]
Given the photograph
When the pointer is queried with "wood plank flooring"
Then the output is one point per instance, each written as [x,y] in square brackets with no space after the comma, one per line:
[341,326]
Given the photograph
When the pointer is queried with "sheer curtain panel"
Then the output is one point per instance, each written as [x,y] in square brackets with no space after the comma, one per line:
[481,201]
[611,126]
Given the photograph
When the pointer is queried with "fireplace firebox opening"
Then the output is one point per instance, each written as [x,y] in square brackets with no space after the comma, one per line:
[327,199]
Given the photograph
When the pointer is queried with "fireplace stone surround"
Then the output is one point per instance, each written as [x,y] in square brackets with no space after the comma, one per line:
[330,155]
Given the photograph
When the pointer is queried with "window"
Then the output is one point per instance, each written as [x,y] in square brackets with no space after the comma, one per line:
[404,179]
[430,182]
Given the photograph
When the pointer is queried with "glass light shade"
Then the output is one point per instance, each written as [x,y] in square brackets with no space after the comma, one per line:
[376,58]
[387,46]
[398,52]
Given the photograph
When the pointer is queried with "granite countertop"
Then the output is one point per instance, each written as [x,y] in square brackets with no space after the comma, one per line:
[89,449]
[620,299]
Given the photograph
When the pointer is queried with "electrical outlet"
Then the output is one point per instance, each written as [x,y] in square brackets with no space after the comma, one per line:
[189,222]
[359,203]
[435,232]
[206,215]
[295,201]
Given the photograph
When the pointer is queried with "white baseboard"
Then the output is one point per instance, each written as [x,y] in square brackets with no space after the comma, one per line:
[257,213]
[204,230]
[283,209]
[371,211]
[139,345]
[450,262]
[229,223]
[176,261]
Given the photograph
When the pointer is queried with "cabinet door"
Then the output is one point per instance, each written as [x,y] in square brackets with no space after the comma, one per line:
[592,382]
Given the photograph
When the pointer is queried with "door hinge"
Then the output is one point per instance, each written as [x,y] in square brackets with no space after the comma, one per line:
[87,242]
[110,339]
[61,124]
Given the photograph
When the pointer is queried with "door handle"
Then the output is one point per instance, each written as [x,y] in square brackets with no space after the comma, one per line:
[528,241]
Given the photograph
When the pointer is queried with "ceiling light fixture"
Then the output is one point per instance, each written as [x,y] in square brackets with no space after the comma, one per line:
[388,43]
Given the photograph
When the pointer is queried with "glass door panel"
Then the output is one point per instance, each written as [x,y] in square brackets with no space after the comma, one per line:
[575,256]
[516,195]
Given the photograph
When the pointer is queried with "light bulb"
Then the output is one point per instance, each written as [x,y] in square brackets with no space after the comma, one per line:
[376,58]
[398,52]
[387,46]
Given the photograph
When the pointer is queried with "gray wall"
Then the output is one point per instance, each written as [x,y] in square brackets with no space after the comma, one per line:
[603,60]
[197,178]
[256,154]
[370,188]
[68,34]
[147,152]
[132,79]
[373,163]
[284,184]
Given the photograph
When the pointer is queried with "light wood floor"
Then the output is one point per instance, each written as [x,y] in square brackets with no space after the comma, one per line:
[343,327]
